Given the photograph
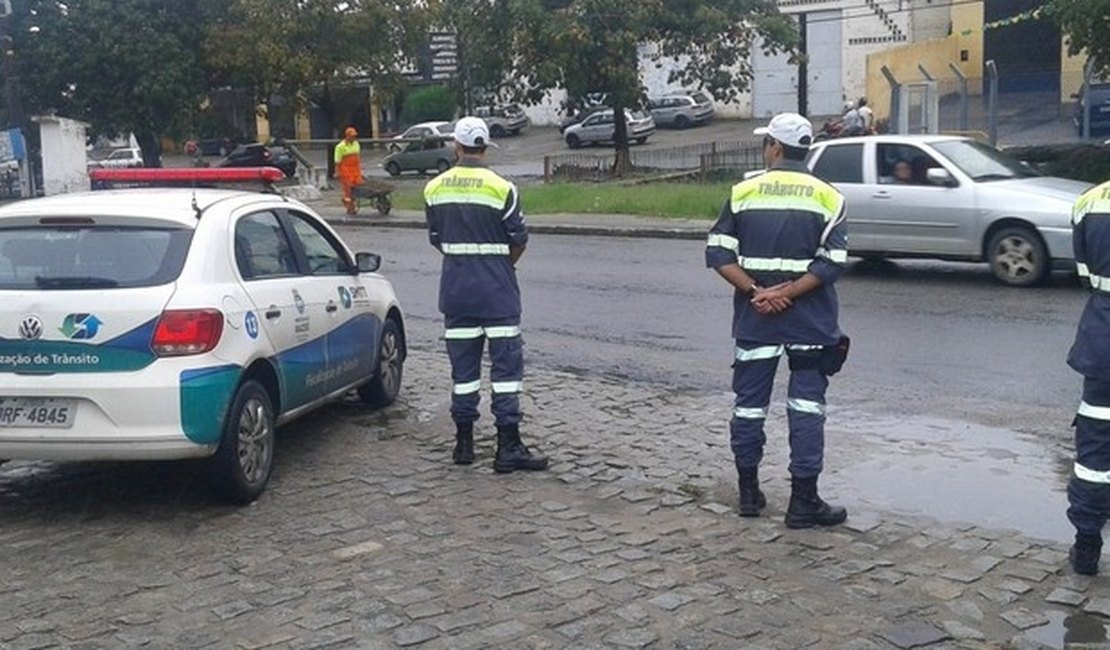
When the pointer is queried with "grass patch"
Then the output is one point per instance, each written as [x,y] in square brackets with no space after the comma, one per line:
[680,200]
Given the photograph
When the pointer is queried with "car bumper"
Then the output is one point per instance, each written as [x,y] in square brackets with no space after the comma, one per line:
[119,416]
[703,116]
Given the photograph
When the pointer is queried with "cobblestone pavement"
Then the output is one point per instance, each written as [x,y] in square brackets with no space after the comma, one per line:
[369,538]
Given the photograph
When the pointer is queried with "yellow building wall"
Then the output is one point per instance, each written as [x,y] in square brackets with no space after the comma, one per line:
[1071,73]
[963,50]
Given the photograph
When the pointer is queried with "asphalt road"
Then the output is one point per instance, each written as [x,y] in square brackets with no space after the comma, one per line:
[929,339]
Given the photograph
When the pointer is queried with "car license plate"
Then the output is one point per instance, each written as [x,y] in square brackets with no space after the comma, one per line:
[37,412]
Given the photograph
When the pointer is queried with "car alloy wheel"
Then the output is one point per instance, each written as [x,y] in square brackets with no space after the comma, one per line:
[243,462]
[1017,257]
[385,386]
[392,168]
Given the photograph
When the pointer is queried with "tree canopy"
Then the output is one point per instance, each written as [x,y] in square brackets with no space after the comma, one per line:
[121,65]
[595,46]
[1086,23]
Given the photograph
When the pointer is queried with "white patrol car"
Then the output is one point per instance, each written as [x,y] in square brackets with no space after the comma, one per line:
[169,324]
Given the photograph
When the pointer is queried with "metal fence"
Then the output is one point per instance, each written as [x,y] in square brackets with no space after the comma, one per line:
[701,160]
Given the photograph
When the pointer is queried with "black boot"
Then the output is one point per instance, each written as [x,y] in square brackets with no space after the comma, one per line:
[464,443]
[1085,554]
[751,497]
[807,509]
[513,455]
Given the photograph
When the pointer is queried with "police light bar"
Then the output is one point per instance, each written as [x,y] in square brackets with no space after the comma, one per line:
[185,176]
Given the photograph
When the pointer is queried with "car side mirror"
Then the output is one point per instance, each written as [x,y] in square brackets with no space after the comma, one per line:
[940,176]
[368,262]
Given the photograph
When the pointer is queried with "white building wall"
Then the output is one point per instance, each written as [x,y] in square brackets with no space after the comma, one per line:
[64,157]
[863,32]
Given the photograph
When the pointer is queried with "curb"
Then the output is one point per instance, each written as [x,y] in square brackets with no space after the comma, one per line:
[541,229]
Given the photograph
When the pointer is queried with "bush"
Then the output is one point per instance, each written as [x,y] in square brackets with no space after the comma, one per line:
[1082,162]
[427,104]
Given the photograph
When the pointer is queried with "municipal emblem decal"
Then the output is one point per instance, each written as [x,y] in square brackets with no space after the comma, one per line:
[80,326]
[345,297]
[251,324]
[30,328]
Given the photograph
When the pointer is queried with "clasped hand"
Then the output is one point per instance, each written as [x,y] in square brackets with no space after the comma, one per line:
[772,300]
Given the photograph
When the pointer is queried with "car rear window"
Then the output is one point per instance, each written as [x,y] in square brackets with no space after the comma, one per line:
[701,98]
[90,257]
[841,164]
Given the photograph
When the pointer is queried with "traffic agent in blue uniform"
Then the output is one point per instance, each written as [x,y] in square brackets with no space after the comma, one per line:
[1089,486]
[475,221]
[781,242]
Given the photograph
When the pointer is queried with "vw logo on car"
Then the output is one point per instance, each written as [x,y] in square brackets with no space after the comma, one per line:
[30,328]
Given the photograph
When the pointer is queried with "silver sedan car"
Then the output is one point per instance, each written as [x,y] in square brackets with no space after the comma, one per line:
[950,198]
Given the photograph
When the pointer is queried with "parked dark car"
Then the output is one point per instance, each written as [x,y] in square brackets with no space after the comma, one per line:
[259,155]
[1096,91]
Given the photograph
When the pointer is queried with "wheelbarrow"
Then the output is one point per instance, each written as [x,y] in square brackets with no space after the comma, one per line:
[376,191]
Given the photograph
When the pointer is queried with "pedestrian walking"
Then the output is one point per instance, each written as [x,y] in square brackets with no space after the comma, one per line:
[475,221]
[348,167]
[1089,486]
[781,242]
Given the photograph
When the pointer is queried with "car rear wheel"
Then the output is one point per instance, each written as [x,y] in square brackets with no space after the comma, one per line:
[392,168]
[497,131]
[245,457]
[383,389]
[1017,257]
[681,122]
[641,140]
[573,142]
[442,165]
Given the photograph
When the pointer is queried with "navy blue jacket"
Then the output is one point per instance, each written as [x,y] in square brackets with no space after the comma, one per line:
[1090,354]
[473,218]
[777,227]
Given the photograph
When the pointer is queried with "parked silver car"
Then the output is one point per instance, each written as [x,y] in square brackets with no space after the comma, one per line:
[601,127]
[503,120]
[681,110]
[433,152]
[950,198]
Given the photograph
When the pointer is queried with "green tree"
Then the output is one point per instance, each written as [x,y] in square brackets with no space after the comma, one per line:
[124,66]
[594,46]
[1086,23]
[314,50]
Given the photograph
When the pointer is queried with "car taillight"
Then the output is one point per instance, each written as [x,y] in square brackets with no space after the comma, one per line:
[182,332]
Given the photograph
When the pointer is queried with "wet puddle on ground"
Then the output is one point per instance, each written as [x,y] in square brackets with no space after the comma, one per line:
[954,472]
[1075,630]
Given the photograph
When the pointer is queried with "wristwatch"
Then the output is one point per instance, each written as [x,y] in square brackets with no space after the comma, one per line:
[752,290]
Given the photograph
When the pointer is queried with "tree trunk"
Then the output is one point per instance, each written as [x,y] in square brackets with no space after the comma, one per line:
[151,149]
[622,166]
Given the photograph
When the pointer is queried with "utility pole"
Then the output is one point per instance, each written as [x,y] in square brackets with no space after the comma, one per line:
[803,67]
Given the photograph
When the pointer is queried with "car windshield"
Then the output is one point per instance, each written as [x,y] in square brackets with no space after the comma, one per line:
[701,98]
[90,257]
[445,129]
[983,162]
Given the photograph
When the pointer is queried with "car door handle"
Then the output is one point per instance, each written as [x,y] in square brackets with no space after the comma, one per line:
[332,307]
[273,313]
[881,195]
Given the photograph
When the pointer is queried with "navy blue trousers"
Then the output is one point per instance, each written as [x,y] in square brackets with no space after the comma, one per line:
[466,342]
[753,377]
[1089,487]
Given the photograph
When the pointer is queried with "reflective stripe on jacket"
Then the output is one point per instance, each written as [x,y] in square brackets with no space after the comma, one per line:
[474,219]
[777,227]
[1090,353]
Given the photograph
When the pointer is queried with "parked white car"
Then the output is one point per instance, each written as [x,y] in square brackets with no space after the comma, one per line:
[601,127]
[418,132]
[951,198]
[169,324]
[120,159]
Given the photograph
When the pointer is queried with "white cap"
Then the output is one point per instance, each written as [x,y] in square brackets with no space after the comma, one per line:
[790,129]
[472,132]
